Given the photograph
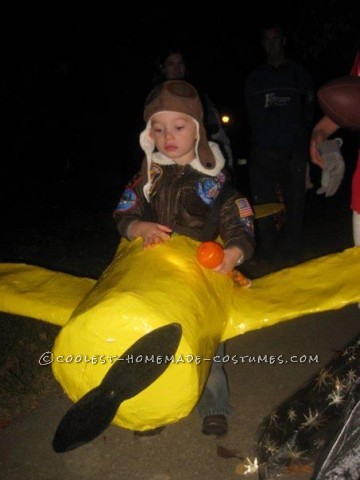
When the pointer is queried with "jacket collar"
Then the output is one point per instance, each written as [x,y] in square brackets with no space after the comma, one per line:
[161,159]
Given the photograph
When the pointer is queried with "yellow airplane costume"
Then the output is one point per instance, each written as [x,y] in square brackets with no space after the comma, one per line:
[145,289]
[136,346]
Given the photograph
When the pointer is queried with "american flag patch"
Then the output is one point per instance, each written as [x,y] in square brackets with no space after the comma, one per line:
[244,207]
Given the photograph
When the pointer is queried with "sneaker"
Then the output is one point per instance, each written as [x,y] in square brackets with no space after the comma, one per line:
[215,425]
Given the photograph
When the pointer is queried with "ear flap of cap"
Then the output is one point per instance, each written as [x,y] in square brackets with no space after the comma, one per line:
[146,142]
[148,145]
[204,152]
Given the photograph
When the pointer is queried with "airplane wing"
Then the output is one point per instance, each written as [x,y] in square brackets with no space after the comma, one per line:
[144,289]
[39,293]
[326,283]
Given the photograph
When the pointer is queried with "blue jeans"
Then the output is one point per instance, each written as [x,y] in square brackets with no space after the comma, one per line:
[215,397]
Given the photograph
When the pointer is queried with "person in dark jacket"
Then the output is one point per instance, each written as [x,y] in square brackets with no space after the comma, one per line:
[183,188]
[279,98]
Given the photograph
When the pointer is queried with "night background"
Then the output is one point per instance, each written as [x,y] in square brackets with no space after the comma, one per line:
[73,87]
[74,79]
[73,84]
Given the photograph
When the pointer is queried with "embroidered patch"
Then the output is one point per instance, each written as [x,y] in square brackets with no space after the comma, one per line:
[248,224]
[208,189]
[244,208]
[156,173]
[127,200]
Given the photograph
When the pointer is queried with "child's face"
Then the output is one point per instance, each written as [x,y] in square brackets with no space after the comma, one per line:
[174,135]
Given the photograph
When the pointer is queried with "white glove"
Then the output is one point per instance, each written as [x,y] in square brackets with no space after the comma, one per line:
[334,166]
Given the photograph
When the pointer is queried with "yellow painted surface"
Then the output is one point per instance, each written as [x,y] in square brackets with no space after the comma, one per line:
[267,209]
[40,293]
[145,289]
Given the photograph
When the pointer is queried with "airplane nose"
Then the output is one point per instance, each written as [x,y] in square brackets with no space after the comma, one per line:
[93,413]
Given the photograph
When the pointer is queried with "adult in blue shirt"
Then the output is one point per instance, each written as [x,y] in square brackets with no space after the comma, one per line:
[279,98]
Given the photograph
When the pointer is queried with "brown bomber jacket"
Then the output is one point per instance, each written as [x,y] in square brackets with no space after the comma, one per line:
[190,203]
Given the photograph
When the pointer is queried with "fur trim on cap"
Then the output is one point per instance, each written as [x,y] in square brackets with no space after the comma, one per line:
[181,96]
[148,145]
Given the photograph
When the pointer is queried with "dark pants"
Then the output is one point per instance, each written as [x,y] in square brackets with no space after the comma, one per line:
[269,170]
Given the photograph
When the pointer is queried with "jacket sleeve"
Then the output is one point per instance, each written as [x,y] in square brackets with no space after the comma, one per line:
[237,224]
[132,205]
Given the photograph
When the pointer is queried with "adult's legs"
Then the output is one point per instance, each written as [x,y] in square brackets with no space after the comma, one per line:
[356,231]
[356,228]
[292,182]
[263,176]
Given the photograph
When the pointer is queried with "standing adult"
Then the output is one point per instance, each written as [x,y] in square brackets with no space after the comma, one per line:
[172,65]
[279,98]
[322,130]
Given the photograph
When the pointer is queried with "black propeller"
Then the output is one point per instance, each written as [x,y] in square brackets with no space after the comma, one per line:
[93,413]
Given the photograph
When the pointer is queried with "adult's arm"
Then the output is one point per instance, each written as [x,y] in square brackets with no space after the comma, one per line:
[322,130]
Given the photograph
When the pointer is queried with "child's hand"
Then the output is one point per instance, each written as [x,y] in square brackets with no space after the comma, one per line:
[152,233]
[231,257]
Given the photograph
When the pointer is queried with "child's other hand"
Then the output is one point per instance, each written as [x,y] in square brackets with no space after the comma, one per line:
[231,258]
[152,233]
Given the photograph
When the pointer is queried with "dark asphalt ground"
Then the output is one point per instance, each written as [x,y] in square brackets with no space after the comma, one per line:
[181,452]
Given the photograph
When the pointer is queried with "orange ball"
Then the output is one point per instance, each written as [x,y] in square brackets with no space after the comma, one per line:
[210,254]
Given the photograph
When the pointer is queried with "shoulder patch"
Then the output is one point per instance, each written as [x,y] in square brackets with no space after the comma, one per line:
[244,208]
[208,188]
[127,201]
